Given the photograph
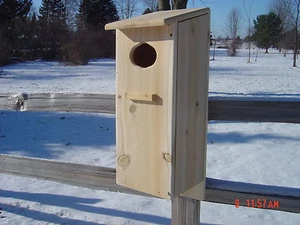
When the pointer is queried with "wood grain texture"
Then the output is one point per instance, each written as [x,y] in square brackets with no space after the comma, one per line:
[286,203]
[142,126]
[255,109]
[68,173]
[185,211]
[148,97]
[191,108]
[160,18]
[59,102]
[105,179]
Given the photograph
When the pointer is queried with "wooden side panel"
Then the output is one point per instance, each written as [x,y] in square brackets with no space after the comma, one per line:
[191,108]
[143,149]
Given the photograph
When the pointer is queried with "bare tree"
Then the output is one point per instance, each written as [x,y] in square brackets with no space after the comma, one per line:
[179,4]
[248,9]
[233,26]
[164,5]
[283,9]
[295,6]
[176,4]
[72,7]
[151,5]
[126,8]
[289,12]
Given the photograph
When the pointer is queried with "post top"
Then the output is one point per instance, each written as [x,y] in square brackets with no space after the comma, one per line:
[160,18]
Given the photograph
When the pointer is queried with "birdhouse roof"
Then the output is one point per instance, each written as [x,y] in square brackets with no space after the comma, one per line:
[160,18]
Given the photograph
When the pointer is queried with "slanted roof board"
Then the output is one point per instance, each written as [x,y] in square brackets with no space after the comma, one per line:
[160,18]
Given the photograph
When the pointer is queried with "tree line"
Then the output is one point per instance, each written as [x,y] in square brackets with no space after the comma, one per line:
[73,30]
[279,28]
[51,35]
[65,30]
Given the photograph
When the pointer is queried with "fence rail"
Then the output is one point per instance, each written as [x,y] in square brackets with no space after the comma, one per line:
[219,108]
[102,178]
[58,102]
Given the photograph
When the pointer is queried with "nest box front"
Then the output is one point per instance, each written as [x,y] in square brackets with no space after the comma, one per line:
[161,102]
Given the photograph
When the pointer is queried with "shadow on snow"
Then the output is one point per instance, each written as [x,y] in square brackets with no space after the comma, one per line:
[80,204]
[236,137]
[77,203]
[49,134]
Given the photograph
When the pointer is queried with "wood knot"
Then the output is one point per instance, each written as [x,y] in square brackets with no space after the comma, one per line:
[132,108]
[167,157]
[124,160]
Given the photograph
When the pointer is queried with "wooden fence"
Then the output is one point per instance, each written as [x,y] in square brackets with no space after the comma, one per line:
[184,211]
[219,108]
[102,178]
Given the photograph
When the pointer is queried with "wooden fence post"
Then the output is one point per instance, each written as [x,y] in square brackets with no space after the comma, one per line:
[185,211]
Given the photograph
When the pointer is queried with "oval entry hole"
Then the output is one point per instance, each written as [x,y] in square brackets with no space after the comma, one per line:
[143,55]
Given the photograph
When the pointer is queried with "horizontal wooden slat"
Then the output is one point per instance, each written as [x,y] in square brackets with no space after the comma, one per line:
[59,102]
[105,179]
[286,203]
[226,192]
[68,173]
[254,109]
[220,108]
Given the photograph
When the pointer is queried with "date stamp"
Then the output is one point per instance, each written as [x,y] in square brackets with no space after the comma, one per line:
[260,203]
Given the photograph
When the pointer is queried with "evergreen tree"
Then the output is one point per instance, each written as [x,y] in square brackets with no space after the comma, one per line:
[12,9]
[52,11]
[90,39]
[268,30]
[13,15]
[95,14]
[30,37]
[53,30]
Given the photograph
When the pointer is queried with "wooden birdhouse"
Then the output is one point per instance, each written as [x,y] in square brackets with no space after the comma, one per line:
[161,102]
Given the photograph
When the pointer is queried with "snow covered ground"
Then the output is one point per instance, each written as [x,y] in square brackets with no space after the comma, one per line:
[250,153]
[54,77]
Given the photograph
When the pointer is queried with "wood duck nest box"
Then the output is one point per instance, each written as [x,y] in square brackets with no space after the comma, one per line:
[161,102]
